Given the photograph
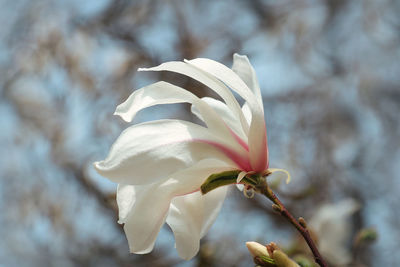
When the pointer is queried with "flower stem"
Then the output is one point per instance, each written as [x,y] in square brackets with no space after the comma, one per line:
[264,189]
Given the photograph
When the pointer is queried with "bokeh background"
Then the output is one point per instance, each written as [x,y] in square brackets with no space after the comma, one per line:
[330,76]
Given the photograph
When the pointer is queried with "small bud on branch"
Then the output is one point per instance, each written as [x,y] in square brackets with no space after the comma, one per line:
[302,222]
[276,208]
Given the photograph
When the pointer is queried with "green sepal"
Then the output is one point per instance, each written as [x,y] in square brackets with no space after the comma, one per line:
[268,260]
[224,178]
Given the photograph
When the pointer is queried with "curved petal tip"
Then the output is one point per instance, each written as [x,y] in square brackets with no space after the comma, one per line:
[288,177]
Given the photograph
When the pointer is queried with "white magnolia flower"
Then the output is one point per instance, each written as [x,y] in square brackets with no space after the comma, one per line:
[160,165]
[332,224]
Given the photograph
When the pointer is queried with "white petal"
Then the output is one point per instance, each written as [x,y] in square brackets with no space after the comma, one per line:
[218,127]
[257,133]
[272,170]
[246,112]
[208,80]
[185,226]
[125,199]
[242,67]
[151,151]
[227,76]
[225,113]
[143,208]
[258,148]
[241,175]
[190,218]
[190,179]
[146,217]
[240,187]
[154,94]
[213,202]
[166,93]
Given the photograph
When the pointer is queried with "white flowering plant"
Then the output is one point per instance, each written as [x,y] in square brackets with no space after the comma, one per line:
[176,172]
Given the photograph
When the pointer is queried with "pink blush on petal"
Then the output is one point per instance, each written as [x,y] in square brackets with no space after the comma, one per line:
[239,140]
[184,194]
[263,161]
[242,162]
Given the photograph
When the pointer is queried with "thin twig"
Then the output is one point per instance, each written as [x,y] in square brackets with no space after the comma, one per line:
[264,189]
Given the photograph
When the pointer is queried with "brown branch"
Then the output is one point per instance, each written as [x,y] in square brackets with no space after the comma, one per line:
[264,189]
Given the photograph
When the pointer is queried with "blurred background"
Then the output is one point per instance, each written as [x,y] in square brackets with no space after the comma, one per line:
[330,77]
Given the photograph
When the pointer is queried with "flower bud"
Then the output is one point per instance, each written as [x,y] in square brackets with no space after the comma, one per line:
[256,249]
[282,260]
[276,208]
[302,222]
